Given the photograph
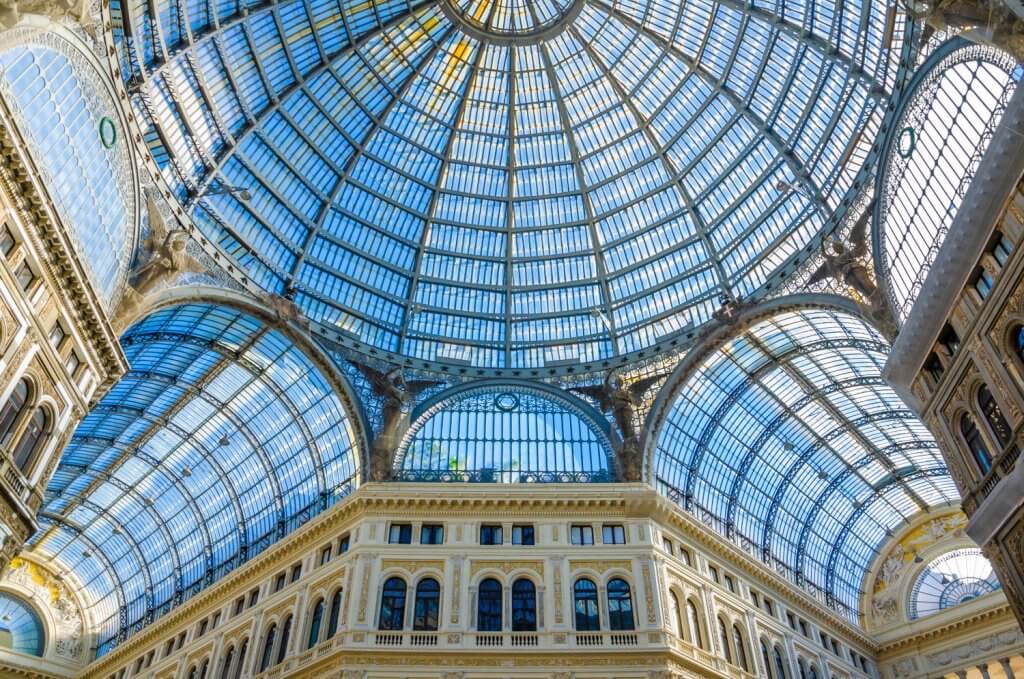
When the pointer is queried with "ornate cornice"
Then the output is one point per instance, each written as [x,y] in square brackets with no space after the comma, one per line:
[981,620]
[19,177]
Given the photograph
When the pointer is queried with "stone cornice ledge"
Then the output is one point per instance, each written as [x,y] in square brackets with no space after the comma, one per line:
[996,179]
[942,632]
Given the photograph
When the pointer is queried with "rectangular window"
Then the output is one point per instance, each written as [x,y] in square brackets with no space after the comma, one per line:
[1002,249]
[730,584]
[490,534]
[666,544]
[254,596]
[181,641]
[432,534]
[613,535]
[756,598]
[169,648]
[522,535]
[6,241]
[582,535]
[983,282]
[202,627]
[684,554]
[296,572]
[400,534]
[57,335]
[239,605]
[791,620]
[325,555]
[216,619]
[72,363]
[769,606]
[279,582]
[149,658]
[24,276]
[803,628]
[713,572]
[343,544]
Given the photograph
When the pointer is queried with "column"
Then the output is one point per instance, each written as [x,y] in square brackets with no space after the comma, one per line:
[983,668]
[1007,669]
[961,674]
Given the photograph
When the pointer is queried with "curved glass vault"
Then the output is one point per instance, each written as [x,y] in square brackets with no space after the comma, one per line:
[787,439]
[221,439]
[523,183]
[951,579]
[21,629]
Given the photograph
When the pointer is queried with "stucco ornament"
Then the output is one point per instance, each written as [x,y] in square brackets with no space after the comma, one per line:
[47,590]
[11,11]
[986,22]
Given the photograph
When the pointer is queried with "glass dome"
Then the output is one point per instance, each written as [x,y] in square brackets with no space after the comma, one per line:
[516,183]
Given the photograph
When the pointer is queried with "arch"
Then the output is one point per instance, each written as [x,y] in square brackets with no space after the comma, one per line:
[100,213]
[693,622]
[534,434]
[741,647]
[315,620]
[620,605]
[990,411]
[945,118]
[268,647]
[392,605]
[227,663]
[779,432]
[802,667]
[723,639]
[21,626]
[286,634]
[241,658]
[766,658]
[14,409]
[34,436]
[231,426]
[335,613]
[427,608]
[975,443]
[780,663]
[587,612]
[489,596]
[524,606]
[675,615]
[953,577]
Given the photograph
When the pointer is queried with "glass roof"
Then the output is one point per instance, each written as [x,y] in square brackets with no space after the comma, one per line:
[787,438]
[21,629]
[221,438]
[510,183]
[506,435]
[951,579]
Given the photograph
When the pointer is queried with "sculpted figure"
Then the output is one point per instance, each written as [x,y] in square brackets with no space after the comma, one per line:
[11,11]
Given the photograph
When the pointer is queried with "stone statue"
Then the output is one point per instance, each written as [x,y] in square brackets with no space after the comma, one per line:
[286,311]
[163,257]
[396,393]
[11,11]
[991,22]
[621,401]
[848,264]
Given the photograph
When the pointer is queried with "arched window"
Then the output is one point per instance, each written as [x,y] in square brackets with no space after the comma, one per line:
[620,605]
[21,629]
[975,443]
[780,664]
[225,666]
[992,413]
[206,667]
[428,606]
[741,648]
[588,619]
[286,632]
[524,606]
[675,615]
[693,621]
[803,668]
[766,659]
[332,619]
[392,605]
[31,440]
[193,672]
[241,659]
[488,608]
[11,412]
[268,648]
[314,624]
[723,638]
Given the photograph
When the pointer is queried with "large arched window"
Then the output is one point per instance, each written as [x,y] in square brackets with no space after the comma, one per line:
[588,619]
[620,605]
[286,634]
[951,579]
[780,663]
[392,605]
[741,647]
[766,659]
[314,624]
[32,440]
[693,624]
[335,615]
[225,664]
[427,612]
[524,606]
[975,443]
[675,615]
[268,647]
[488,609]
[241,659]
[21,628]
[10,414]
[944,127]
[993,414]
[508,435]
[802,666]
[723,639]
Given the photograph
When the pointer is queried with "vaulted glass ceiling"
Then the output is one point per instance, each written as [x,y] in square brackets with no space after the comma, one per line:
[221,439]
[510,183]
[787,439]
